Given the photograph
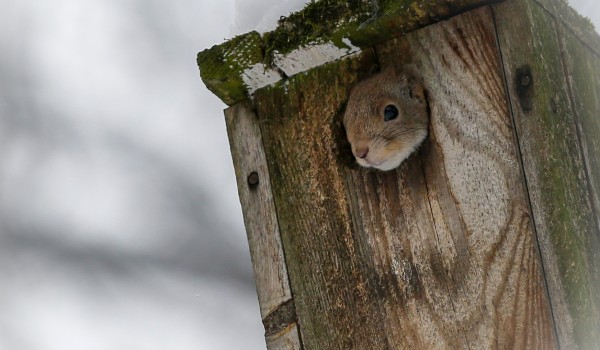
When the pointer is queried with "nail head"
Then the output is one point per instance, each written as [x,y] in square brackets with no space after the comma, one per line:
[253,179]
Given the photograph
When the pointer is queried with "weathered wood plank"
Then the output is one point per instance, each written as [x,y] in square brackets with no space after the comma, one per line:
[578,25]
[554,167]
[254,189]
[287,339]
[474,243]
[583,76]
[438,254]
[301,124]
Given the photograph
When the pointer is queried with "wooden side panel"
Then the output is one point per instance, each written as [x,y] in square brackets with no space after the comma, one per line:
[554,165]
[583,76]
[475,243]
[287,339]
[301,125]
[577,23]
[439,254]
[254,189]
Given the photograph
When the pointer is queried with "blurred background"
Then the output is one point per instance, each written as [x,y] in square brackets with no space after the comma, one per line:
[120,226]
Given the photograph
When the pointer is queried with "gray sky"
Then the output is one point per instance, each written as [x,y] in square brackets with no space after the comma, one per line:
[119,215]
[120,226]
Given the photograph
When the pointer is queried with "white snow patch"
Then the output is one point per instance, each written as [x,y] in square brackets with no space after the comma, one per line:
[305,58]
[297,61]
[258,76]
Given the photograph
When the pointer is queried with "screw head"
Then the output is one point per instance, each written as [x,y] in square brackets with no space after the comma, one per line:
[253,179]
[525,80]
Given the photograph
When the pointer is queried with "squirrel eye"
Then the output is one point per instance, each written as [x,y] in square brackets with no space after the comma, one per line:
[390,112]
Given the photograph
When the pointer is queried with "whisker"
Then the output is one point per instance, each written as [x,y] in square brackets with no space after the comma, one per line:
[402,132]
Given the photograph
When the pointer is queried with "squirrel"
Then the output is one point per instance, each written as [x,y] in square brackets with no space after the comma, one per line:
[386,117]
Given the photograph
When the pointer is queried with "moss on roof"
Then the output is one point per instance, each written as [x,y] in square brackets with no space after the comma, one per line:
[363,23]
[228,69]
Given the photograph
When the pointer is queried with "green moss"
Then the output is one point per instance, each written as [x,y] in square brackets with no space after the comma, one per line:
[315,23]
[364,22]
[221,66]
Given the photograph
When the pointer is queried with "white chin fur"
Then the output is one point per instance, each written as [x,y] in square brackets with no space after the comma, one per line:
[395,160]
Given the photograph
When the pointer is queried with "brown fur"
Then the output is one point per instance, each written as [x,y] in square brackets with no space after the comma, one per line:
[388,143]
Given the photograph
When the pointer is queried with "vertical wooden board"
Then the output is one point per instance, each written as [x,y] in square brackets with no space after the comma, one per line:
[287,339]
[438,254]
[254,188]
[301,125]
[553,165]
[577,23]
[468,231]
[583,76]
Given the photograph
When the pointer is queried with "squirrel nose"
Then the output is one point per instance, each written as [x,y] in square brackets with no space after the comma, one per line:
[361,152]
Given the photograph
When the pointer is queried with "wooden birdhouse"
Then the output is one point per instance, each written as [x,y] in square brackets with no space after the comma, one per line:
[487,237]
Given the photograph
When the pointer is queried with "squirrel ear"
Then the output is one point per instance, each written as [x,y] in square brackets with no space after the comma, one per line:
[414,80]
[412,73]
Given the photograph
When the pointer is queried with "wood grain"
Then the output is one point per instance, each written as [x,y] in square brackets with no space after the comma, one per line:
[475,242]
[555,166]
[583,77]
[440,254]
[270,273]
[301,125]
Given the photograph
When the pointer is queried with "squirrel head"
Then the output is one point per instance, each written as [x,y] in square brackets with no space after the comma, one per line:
[386,117]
